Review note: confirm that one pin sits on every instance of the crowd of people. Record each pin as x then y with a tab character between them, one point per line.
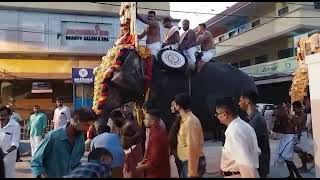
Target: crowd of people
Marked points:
119	147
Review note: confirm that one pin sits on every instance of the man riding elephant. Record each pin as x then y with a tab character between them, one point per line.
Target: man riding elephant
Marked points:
187	43
122	75
205	40
172	37
152	32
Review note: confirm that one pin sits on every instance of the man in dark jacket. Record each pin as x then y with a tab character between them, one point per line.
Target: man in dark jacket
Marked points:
256	120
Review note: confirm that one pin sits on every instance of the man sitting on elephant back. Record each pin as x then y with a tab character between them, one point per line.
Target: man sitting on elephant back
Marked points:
172	36
187	43
204	38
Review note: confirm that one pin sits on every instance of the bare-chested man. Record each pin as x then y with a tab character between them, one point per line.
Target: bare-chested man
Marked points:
152	31
204	38
187	43
131	138
172	37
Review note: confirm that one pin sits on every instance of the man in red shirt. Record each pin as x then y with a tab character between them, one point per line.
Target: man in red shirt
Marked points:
156	160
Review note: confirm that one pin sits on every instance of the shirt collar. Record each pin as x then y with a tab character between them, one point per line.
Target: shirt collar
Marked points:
155	125
250	116
38	113
232	123
61	107
63	130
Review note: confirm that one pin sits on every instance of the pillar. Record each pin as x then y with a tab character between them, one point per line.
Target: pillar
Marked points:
313	62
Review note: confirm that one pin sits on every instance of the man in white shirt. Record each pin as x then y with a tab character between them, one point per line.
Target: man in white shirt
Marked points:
240	154
62	114
16	117
9	141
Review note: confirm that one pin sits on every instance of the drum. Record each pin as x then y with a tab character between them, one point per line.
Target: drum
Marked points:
172	59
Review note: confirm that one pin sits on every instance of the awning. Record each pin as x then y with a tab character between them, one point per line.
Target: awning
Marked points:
40	69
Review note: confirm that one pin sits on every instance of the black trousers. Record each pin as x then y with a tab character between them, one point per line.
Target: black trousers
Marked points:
293	169
18	155
178	163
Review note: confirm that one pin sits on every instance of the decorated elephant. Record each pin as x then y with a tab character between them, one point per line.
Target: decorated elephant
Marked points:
129	72
215	80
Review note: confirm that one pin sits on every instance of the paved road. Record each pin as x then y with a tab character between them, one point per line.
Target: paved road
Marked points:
212	153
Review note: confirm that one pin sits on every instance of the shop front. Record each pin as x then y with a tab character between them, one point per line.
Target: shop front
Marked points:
82	79
40	81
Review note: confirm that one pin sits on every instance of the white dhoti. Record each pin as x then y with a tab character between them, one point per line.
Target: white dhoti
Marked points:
170	33
285	148
34	143
208	55
171	46
191	57
155	48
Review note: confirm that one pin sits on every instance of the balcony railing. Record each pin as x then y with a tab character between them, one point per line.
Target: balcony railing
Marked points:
241	29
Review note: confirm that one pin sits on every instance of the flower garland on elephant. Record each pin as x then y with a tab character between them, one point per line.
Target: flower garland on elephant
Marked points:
111	62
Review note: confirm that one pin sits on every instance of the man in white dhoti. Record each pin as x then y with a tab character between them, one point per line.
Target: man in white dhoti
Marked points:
187	43
172	37
152	31
286	144
205	39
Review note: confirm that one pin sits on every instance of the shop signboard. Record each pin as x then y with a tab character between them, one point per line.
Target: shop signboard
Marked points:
82	76
280	67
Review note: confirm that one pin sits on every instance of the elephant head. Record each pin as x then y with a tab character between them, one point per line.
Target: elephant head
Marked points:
126	84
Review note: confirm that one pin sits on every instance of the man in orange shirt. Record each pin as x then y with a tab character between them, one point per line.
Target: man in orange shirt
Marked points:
190	139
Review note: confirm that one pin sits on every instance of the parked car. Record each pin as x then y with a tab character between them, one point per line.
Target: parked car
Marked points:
262	107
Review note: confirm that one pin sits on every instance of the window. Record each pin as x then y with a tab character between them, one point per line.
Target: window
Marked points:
261	59
245	63
255	23
283	11
235	64
232	33
221	38
241	29
41	87
285	53
65	90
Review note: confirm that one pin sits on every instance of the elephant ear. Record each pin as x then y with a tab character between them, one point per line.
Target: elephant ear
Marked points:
129	77
132	64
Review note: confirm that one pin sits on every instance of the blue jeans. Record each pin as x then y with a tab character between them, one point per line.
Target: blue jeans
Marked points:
201	168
